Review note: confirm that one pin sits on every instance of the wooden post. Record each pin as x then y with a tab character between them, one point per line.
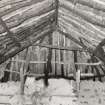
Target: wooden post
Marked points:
11	69
17	66
23	71
22	79
26	65
56	10
55	63
76	73
75	66
48	67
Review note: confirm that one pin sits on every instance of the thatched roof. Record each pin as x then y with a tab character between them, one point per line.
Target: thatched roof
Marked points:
24	22
83	21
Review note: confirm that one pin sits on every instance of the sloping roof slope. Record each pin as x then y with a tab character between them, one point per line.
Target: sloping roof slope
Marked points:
83	19
22	23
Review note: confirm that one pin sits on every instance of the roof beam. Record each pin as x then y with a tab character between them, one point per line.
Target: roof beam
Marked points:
75	40
60	47
9	33
98	52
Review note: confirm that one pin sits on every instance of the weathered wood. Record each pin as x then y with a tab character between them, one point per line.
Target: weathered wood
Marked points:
42	23
18	17
99	51
77	20
72	38
95	52
78	76
86	29
84	39
26	65
48	67
22	79
89	64
75	55
11	69
25	44
83	76
87	15
25	23
60	47
31	23
9	6
76	59
96	4
9	33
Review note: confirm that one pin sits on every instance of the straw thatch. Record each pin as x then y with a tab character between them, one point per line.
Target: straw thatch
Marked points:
83	21
22	23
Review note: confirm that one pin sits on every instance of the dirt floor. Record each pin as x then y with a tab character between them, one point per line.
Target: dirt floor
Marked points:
92	93
59	92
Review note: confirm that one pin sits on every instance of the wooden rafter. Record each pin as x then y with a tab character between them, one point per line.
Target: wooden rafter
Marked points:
75	40
9	33
90	64
98	52
56	10
16	51
61	48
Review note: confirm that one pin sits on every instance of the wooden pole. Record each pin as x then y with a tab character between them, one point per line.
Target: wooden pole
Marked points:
56	11
78	74
11	69
74	73
22	79
48	64
9	33
17	67
26	65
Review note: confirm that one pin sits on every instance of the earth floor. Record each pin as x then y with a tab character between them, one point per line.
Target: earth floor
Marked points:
59	92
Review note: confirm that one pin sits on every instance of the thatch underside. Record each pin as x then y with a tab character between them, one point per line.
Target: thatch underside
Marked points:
80	20
26	21
83	22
